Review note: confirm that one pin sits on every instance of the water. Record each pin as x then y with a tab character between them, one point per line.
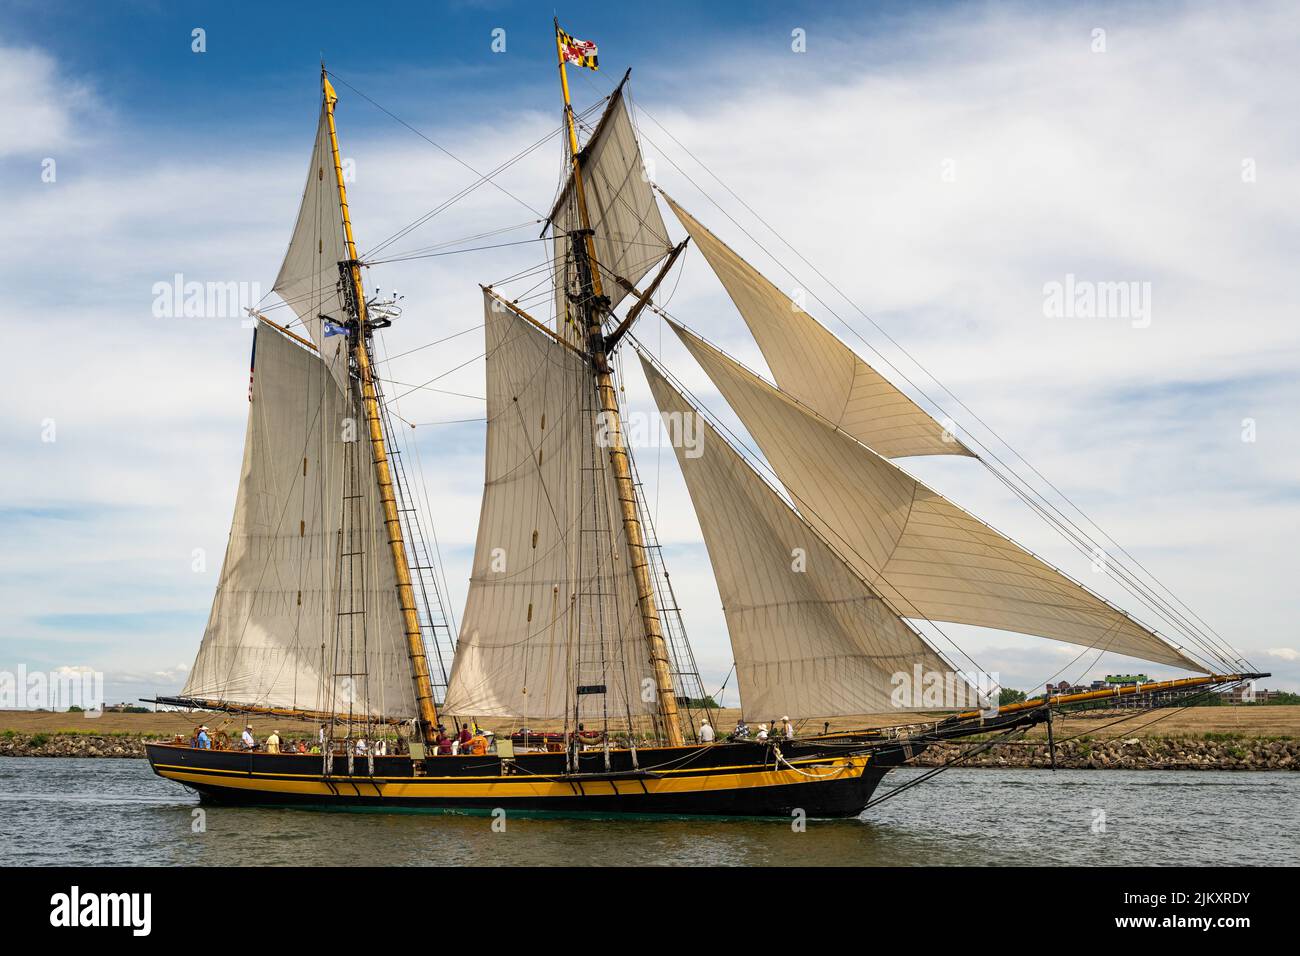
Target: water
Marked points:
114	812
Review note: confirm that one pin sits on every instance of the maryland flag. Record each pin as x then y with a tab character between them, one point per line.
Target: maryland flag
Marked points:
579	52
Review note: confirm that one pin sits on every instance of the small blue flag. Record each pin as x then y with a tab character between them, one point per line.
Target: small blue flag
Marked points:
332	329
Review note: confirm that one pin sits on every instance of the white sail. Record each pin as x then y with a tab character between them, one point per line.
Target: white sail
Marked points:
308	281
273	637
630	235
552	602
810	638
815	367
929	557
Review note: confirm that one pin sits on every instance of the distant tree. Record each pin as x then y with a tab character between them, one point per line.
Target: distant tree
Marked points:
707	703
1009	695
1284	697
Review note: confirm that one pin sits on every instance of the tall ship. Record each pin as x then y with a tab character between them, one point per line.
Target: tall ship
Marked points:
331	606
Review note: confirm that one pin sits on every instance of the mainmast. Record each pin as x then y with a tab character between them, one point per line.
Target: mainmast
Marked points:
592	307
383	475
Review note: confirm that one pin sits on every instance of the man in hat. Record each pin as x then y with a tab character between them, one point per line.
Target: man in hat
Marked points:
273	742
247	738
788	728
762	732
442	742
706	732
204	741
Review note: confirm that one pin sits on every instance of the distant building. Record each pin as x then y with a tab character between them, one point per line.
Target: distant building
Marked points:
1125	679
1243	695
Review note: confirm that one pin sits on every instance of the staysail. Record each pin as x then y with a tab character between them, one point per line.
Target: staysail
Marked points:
308	281
930	558
552	604
274	637
810	637
630	235
815	367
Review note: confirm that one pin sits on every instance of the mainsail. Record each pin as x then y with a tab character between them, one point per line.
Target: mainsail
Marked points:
810	637
929	557
815	367
552	604
308	281
274	636
630	235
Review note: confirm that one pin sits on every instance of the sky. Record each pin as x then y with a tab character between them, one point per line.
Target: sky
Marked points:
945	167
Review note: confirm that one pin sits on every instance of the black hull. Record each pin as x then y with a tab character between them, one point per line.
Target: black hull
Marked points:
741	780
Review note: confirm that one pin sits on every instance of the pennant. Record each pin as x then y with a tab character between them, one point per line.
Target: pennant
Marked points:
578	52
332	329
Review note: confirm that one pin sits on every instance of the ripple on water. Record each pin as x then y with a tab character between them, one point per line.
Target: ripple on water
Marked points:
114	812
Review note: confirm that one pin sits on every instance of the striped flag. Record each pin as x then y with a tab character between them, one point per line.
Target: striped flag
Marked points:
579	52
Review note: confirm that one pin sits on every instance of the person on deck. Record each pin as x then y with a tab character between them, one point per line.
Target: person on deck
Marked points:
273	742
203	741
788	728
464	737
762	732
443	742
742	730
706	732
478	745
361	747
246	738
300	747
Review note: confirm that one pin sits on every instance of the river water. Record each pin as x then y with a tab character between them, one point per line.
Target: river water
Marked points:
112	812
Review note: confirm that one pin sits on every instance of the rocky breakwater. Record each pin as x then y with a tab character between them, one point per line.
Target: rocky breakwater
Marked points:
1215	752
71	745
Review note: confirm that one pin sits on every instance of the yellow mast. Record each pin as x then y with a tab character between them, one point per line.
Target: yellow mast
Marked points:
618	457
405	593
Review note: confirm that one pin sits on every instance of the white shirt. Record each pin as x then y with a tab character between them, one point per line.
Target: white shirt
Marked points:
248	740
789	731
706	734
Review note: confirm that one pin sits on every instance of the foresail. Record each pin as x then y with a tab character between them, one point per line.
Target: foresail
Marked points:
273	637
815	367
630	235
810	638
308	281
930	558
551	605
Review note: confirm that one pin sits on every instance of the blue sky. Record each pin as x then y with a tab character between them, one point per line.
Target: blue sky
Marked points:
940	163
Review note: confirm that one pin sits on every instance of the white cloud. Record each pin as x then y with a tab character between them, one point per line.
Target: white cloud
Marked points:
42	106
1123	165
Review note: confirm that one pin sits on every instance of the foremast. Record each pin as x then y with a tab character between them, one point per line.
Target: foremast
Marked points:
379	453
591	314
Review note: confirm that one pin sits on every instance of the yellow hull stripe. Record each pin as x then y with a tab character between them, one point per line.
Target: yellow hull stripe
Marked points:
391	788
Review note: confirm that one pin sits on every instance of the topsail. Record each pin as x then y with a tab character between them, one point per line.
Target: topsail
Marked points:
630	235
308	280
